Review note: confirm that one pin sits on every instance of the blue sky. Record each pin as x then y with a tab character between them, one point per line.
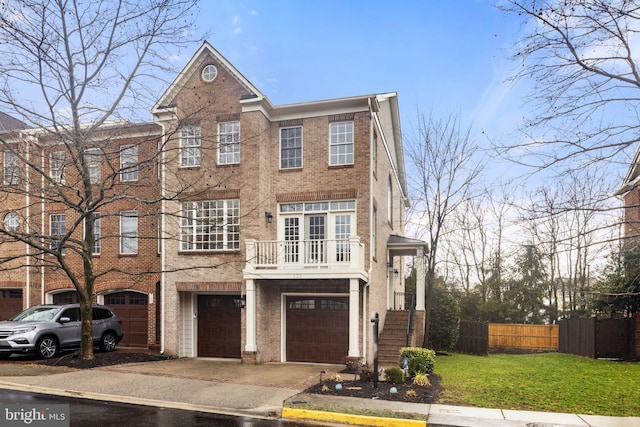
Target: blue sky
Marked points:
440	56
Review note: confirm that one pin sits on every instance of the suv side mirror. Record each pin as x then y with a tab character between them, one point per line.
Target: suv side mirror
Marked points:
64	320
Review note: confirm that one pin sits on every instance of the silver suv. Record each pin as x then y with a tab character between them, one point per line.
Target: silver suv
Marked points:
47	329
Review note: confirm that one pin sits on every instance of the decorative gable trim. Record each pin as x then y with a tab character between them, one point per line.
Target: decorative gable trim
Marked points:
206	53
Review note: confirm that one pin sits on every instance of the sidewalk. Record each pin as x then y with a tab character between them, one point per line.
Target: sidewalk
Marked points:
270	390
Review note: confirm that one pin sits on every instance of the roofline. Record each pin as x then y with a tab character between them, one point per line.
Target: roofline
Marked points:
161	105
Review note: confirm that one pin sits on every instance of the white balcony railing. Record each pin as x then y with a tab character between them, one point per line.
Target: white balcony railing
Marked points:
297	254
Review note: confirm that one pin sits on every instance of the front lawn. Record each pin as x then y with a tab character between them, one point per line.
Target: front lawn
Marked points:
550	382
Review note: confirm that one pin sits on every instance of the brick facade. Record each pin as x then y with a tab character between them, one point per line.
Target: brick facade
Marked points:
182	270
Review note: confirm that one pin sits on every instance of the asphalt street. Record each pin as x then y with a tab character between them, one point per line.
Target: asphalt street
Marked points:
92	413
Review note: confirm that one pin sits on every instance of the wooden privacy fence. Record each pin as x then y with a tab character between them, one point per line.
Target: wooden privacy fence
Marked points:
525	338
473	338
601	338
480	337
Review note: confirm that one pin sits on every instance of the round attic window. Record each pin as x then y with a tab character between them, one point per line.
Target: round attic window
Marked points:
11	221
209	73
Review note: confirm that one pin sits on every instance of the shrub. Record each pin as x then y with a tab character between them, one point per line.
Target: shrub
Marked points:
445	321
336	378
411	394
421	380
394	375
421	360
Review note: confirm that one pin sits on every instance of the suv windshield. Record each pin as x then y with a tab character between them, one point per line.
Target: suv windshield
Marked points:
37	314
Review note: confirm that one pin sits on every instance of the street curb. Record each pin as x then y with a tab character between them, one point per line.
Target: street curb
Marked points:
364	420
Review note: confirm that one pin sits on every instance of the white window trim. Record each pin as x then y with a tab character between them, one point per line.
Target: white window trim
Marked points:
57	173
58	237
128	163
130	214
332	211
228	144
11	171
352	143
94	163
301	148
191	151
189	227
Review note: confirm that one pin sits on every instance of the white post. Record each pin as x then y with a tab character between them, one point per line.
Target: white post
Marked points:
420	280
250	316
354	316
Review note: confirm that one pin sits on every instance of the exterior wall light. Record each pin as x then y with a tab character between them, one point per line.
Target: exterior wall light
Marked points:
269	217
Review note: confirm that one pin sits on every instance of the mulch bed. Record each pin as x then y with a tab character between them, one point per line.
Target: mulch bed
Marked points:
364	389
71	360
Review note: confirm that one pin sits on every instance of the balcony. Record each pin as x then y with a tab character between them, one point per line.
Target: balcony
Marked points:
280	259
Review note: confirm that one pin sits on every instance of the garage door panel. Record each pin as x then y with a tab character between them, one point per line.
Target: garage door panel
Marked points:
317	329
219	326
10	303
132	309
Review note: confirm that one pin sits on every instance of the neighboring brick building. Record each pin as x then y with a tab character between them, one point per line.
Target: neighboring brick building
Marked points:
281	226
129	266
630	194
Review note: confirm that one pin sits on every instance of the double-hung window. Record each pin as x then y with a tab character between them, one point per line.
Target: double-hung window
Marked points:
96	234
210	225
11	168
129	163
56	166
190	143
128	232
228	142
93	160
341	143
291	147
57	230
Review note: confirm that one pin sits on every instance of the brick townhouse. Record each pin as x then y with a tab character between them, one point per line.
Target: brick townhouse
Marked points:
129	263
280	227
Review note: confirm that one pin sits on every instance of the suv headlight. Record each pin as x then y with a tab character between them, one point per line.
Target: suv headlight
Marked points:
23	330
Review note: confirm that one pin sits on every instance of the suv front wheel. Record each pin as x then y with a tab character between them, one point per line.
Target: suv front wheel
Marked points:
108	342
47	347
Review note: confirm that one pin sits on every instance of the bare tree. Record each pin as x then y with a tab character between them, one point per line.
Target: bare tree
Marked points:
446	165
69	69
582	57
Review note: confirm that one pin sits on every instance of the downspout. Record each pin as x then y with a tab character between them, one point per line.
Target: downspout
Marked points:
43	232
28	249
365	288
162	239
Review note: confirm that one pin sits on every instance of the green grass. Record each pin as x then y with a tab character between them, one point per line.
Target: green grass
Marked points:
550	382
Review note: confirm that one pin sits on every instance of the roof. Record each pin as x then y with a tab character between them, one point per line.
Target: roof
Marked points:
206	50
401	245
8	123
632	177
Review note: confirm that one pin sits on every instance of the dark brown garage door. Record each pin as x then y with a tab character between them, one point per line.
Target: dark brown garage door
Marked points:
219	326
132	309
317	329
10	303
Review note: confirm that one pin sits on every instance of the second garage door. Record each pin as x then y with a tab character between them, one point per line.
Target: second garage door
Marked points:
10	303
317	329
132	309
